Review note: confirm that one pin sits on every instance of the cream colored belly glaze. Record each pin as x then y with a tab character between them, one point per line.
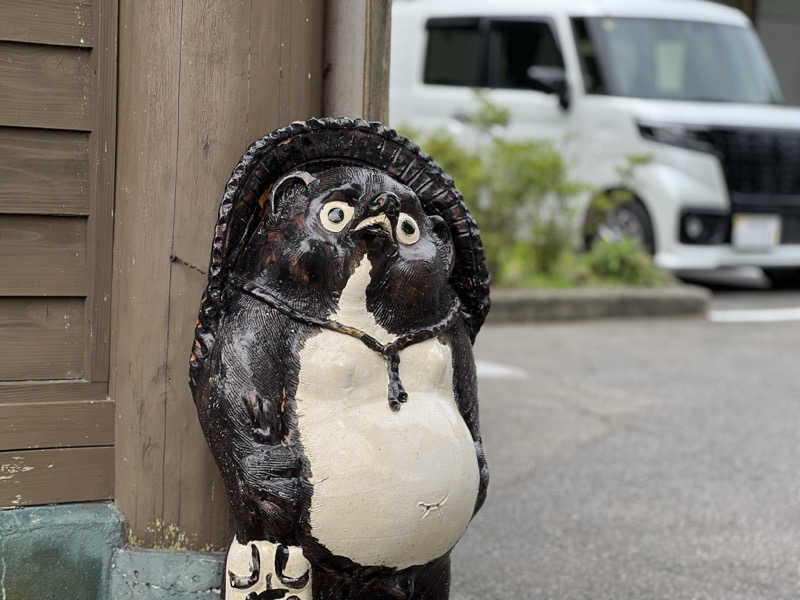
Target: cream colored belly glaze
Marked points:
390	488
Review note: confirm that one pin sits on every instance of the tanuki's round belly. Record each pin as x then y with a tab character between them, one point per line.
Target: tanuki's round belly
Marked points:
390	488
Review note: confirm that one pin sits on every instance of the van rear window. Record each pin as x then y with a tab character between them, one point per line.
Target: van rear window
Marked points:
454	54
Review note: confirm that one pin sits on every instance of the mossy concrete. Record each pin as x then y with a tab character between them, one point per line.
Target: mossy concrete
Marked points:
57	552
75	552
138	574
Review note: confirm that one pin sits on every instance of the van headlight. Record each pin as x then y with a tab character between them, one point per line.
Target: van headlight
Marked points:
684	136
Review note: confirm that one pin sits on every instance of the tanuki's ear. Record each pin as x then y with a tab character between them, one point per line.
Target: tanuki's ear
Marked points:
285	184
442	230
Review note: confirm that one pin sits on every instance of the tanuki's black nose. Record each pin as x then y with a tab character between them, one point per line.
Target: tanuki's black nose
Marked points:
385	202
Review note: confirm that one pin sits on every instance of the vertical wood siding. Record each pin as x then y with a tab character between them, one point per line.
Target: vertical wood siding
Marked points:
198	81
57	113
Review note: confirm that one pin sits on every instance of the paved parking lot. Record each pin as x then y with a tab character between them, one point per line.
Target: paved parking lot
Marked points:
640	459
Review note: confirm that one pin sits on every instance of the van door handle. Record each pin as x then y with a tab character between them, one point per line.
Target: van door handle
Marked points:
460	116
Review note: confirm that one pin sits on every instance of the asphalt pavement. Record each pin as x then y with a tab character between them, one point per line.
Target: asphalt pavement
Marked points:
641	459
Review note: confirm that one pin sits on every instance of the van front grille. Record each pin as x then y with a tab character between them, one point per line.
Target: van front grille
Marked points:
760	162
762	171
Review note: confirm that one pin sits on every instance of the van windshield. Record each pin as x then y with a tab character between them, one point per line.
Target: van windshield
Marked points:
674	60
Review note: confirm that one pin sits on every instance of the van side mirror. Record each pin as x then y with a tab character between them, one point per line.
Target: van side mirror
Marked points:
550	80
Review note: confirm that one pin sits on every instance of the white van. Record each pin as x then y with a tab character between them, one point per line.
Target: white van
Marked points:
685	82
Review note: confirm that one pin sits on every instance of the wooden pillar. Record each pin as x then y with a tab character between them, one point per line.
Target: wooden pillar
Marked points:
357	36
198	81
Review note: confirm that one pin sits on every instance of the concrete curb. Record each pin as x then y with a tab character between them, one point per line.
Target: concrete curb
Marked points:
573	304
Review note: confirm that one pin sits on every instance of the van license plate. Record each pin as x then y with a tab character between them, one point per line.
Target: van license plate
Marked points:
756	232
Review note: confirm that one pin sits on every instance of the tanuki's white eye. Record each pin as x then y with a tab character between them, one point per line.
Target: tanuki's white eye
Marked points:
335	215
407	230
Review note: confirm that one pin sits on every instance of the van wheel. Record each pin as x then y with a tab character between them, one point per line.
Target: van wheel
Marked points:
629	219
784	279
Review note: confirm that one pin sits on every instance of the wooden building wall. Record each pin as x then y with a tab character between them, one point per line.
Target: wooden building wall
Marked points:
57	101
86	414
198	81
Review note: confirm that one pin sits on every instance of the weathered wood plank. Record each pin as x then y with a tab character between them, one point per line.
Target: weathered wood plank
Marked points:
147	135
15	392
357	55
101	199
263	113
43	256
244	70
56	424
302	45
345	45
44	171
65	22
60	475
45	86
193	472
43	338
229	106
215	87
215	97
376	60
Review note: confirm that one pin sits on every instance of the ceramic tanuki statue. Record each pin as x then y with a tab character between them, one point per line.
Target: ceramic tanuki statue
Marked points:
332	365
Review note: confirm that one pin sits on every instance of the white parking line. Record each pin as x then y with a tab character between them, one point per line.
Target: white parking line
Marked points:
759	315
498	371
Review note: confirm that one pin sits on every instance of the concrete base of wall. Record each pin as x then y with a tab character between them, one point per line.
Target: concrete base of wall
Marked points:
598	303
138	574
74	552
58	552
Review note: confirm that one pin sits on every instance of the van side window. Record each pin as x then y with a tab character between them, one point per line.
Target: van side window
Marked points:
515	46
587	55
454	54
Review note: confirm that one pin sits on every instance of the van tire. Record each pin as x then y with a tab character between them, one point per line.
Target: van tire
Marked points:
625	219
783	278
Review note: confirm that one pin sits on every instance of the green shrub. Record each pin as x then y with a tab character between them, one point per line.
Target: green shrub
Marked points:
623	261
518	191
521	194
